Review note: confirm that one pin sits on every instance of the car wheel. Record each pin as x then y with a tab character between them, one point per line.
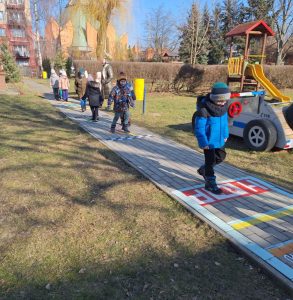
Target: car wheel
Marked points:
260	135
289	116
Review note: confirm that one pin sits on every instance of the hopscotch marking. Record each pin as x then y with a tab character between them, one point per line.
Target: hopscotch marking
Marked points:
262	217
128	138
232	189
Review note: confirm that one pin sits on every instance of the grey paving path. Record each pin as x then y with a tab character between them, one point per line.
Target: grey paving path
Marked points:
254	215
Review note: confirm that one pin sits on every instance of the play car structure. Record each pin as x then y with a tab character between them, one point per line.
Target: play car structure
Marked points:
262	124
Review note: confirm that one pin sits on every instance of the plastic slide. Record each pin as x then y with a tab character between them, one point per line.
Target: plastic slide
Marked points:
256	71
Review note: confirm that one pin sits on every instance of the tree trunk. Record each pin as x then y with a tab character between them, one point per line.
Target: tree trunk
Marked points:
40	60
279	58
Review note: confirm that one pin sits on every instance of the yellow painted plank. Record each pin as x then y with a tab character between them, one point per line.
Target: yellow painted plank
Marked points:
262	218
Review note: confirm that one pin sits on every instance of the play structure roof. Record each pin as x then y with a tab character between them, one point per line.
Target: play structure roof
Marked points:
246	28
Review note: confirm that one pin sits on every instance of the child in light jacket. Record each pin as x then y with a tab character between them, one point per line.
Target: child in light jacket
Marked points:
212	132
64	85
54	83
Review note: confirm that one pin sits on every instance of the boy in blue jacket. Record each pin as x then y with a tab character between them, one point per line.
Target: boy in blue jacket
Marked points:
212	132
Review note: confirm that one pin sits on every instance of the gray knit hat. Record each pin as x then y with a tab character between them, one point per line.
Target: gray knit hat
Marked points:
220	92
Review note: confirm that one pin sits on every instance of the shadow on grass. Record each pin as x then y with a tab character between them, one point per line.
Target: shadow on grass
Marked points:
180	273
152	275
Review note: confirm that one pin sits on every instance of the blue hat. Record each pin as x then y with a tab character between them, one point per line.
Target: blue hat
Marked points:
220	92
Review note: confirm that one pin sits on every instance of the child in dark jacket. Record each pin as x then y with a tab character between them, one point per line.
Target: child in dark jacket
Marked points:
212	132
94	95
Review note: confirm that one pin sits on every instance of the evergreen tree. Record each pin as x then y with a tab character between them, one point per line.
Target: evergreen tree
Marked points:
68	65
217	42
47	66
194	36
12	73
206	20
259	10
232	14
59	60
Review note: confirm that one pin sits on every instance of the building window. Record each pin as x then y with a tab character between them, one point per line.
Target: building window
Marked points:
2	31
21	51
15	1
1	16
18	33
16	16
22	62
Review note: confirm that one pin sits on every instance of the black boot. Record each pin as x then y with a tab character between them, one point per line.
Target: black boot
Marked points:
113	129
201	171
211	185
125	128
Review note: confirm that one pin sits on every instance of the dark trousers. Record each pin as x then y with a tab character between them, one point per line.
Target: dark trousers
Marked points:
125	115
95	112
56	93
213	157
65	95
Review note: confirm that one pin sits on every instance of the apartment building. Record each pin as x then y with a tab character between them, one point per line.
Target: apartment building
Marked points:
16	31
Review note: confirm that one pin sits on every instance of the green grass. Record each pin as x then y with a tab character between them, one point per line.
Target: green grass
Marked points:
170	115
77	219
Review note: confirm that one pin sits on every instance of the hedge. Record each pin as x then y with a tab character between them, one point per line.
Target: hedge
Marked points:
165	77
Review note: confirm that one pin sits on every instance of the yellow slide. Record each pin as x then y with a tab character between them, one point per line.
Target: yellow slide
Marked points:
256	71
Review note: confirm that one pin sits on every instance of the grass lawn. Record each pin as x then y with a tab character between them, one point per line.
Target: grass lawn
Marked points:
76	222
170	115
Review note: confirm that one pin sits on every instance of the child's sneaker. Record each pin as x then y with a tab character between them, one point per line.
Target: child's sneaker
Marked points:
113	129
201	172
212	186
126	130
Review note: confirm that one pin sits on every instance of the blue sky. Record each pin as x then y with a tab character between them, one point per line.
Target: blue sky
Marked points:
140	8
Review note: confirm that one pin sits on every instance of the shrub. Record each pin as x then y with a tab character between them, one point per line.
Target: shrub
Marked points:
12	73
59	61
163	77
68	66
47	66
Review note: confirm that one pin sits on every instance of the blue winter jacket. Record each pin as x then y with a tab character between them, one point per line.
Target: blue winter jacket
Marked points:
211	130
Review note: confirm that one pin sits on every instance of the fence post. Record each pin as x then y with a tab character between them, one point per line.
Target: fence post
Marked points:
144	101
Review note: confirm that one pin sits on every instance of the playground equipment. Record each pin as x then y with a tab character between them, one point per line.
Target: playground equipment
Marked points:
241	69
262	124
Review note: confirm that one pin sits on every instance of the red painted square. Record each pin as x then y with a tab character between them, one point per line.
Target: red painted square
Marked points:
231	191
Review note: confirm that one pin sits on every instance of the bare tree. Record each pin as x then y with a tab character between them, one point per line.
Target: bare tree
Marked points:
42	12
283	20
160	31
37	29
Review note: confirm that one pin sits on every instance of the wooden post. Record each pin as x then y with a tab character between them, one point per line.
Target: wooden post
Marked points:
230	55
245	58
263	48
231	47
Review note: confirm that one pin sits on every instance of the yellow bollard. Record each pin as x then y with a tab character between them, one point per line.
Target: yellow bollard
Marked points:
44	75
139	89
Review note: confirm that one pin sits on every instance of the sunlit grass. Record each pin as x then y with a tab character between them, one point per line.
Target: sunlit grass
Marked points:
76	222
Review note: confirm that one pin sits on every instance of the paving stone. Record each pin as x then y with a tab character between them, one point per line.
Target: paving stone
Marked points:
259	240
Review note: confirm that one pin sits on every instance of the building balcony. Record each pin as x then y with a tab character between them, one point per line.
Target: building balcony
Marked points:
14	6
16	23
18	40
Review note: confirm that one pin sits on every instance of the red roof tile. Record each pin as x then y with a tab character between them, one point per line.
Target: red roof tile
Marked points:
243	29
